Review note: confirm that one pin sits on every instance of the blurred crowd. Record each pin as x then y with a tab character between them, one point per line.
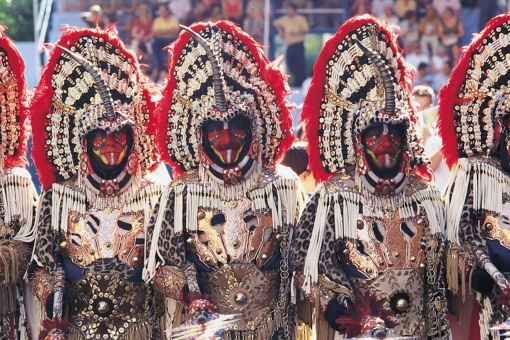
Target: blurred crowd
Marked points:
148	26
430	31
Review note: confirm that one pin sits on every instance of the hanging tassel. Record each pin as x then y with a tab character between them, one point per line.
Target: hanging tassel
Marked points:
311	274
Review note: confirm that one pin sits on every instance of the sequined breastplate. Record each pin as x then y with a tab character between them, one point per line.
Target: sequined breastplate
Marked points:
236	243
103	234
403	290
497	227
234	235
383	244
108	307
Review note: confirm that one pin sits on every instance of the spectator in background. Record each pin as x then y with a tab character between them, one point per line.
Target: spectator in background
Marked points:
253	24
423	97
293	27
442	75
429	40
359	7
253	6
409	32
415	56
424	75
141	28
181	9
421	7
441	5
437	61
378	7
165	30
199	11
145	59
93	17
296	158
232	10
389	16
403	6
215	13
450	31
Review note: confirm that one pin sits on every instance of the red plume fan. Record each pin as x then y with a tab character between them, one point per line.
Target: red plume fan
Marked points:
352	322
474	96
54	329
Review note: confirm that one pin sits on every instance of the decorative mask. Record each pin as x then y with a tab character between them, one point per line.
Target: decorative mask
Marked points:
109	150
227	142
384	145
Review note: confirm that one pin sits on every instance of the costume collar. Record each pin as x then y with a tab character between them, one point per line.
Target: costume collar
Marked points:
103	192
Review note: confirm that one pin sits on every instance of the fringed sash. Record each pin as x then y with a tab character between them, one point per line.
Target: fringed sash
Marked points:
490	184
282	195
19	198
67	199
346	204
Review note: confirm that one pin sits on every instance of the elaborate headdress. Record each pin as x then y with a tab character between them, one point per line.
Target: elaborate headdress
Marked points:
360	79
215	74
90	81
472	106
476	97
13	106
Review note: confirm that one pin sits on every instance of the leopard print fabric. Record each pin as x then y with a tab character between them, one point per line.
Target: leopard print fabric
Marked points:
49	259
434	313
301	242
475	248
171	247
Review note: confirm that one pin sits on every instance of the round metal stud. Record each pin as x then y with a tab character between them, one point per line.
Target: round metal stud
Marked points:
103	307
360	224
240	298
402	305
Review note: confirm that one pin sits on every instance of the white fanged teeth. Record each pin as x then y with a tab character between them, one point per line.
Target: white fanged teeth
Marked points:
387	160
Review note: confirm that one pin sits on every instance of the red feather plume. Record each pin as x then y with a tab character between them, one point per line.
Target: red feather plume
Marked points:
18	68
312	103
269	72
449	94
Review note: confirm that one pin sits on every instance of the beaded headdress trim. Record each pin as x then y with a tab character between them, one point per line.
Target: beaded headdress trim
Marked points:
359	69
252	86
13	105
476	96
90	81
